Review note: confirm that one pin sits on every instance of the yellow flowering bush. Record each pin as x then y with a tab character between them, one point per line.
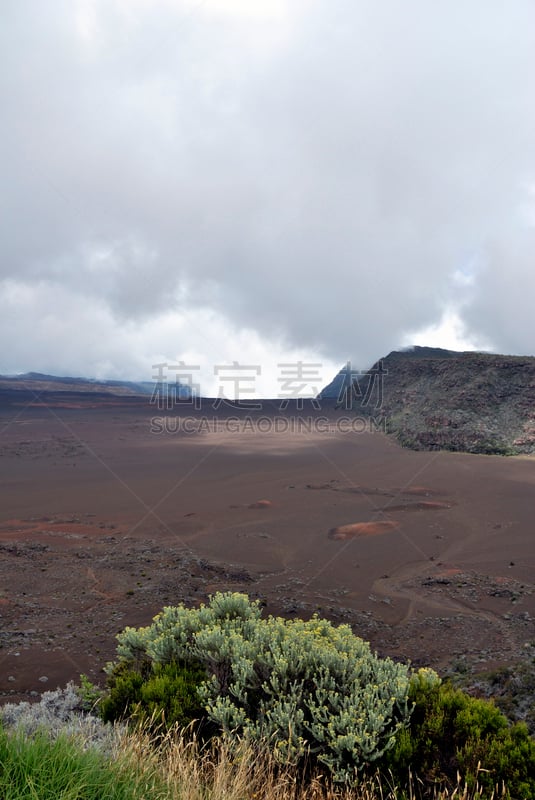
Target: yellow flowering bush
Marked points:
307	689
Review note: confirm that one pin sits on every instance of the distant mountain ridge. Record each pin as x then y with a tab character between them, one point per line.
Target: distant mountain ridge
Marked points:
428	398
435	399
20	387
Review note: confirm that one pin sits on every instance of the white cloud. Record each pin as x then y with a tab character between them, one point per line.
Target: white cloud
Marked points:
450	333
65	333
316	178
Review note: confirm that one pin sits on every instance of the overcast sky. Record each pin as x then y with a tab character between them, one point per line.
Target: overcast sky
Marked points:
263	181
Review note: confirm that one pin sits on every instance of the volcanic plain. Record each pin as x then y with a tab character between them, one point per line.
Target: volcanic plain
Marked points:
112	510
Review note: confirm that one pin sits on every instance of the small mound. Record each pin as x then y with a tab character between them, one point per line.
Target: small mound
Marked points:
260	504
343	532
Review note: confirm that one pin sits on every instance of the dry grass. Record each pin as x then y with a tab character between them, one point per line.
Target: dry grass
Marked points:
173	766
215	772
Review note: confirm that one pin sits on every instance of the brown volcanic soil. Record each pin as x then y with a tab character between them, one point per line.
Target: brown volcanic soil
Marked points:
103	522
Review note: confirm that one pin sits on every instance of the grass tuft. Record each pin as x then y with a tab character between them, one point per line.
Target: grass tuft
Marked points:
173	766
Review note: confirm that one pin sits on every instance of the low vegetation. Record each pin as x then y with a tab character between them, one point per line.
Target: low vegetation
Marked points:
222	703
308	691
511	687
46	768
172	767
451	733
165	694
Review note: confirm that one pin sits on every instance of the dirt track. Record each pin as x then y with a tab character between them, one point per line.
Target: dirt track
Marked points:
103	522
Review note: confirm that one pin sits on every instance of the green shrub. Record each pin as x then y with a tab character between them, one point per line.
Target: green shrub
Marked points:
90	694
308	690
166	694
452	733
512	688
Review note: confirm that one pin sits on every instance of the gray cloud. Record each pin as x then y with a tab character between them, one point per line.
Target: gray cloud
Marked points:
318	177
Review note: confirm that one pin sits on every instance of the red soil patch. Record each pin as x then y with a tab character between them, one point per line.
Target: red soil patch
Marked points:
343	532
49	530
449	572
261	504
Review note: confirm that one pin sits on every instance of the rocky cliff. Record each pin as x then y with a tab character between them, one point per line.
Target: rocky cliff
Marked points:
439	399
